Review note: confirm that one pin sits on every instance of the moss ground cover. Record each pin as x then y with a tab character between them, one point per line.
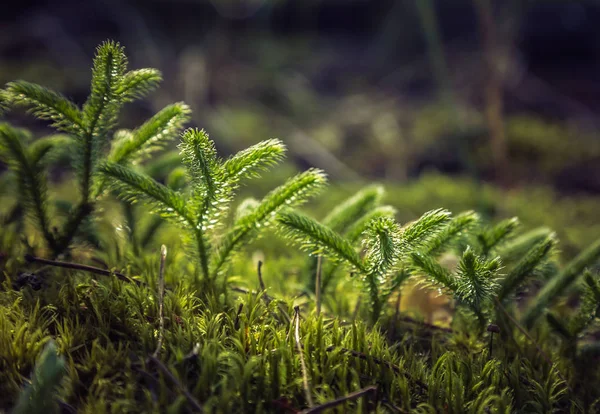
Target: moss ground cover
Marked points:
156	288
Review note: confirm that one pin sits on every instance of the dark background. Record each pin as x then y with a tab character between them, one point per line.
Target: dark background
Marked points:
297	62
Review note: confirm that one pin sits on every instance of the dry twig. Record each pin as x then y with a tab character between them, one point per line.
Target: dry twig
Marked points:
301	353
372	389
77	266
161	299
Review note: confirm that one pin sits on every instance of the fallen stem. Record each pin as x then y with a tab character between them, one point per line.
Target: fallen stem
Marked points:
333	403
162	367
76	266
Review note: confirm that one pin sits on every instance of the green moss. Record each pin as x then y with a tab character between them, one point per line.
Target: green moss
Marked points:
252	340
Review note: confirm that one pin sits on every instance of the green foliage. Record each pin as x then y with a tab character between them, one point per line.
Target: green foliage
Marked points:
354	208
318	239
25	164
89	130
457	227
350	218
151	136
386	246
48	372
532	259
231	354
495	235
201	211
561	281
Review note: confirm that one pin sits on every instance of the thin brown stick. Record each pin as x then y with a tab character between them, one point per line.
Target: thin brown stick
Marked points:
260	279
77	266
161	299
261	282
318	284
165	370
246	291
426	325
301	353
372	389
236	323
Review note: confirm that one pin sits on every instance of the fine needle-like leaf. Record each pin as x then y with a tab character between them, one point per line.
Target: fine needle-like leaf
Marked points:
526	266
560	282
151	136
293	193
31	178
46	104
352	209
133	187
138	83
318	239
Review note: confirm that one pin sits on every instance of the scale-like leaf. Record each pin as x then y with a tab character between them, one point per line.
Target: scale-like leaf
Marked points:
352	209
526	266
425	228
250	162
100	111
496	235
139	144
382	241
476	279
31	178
48	148
47	105
561	281
317	239
456	227
133	187
293	193
136	84
435	273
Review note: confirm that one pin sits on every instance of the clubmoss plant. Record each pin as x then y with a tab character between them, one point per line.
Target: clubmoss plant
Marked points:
191	347
202	210
350	219
87	130
384	243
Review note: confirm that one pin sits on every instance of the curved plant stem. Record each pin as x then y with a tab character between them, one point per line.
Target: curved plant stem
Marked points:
371	389
301	353
161	299
85	268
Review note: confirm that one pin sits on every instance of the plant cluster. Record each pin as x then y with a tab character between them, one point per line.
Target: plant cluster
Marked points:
262	354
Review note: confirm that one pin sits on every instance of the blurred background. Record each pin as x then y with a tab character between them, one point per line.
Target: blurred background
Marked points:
482	104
